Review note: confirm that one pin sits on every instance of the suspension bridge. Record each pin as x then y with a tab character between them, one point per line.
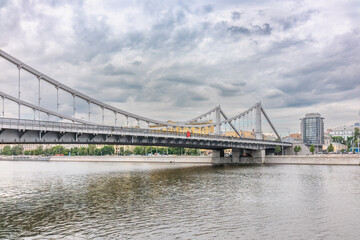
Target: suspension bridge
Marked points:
35	122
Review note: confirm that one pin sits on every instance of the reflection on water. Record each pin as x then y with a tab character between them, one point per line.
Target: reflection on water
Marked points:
40	200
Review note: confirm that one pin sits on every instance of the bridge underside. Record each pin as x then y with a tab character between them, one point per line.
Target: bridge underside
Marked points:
14	136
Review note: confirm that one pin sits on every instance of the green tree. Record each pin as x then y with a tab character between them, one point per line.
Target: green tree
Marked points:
277	149
193	152
128	152
108	150
161	150
312	149
59	149
122	150
297	149
47	151
98	152
139	150
348	143
6	150
38	151
91	149
147	150
330	148
17	150
76	151
338	139
356	133
83	151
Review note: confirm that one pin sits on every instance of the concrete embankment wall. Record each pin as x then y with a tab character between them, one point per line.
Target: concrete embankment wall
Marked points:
155	159
314	159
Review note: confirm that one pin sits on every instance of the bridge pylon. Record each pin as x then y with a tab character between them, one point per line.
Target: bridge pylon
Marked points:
217	120
258	131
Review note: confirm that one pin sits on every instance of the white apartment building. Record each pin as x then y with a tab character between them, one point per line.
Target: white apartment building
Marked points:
344	131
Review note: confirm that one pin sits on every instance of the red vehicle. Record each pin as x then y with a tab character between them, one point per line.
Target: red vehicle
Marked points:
187	134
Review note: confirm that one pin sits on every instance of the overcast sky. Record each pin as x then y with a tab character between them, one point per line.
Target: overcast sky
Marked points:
177	59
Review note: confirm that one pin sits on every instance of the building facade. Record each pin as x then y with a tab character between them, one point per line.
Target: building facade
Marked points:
344	131
293	138
194	127
312	129
337	147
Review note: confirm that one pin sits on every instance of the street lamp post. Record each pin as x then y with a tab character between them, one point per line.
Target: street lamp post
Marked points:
288	132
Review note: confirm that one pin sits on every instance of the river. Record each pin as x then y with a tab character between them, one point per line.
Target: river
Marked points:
104	200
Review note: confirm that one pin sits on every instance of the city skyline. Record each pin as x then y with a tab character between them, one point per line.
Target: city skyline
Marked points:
173	61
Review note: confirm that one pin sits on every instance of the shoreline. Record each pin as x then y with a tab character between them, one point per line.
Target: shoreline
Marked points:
141	159
353	160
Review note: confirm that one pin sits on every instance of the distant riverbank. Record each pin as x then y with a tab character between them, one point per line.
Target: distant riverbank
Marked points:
154	159
328	159
289	159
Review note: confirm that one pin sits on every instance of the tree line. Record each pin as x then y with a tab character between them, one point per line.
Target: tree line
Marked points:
146	150
59	150
93	151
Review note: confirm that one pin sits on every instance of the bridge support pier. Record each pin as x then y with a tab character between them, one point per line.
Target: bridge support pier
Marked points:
236	153
218	158
259	156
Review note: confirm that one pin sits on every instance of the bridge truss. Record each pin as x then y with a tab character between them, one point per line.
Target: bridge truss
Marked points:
215	121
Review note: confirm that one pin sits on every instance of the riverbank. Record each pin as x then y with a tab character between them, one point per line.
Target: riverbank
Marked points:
288	159
327	159
153	159
148	159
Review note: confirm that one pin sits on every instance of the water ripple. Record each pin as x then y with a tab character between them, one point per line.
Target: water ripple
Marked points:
174	201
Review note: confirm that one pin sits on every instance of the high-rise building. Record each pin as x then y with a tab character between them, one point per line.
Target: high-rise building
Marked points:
312	129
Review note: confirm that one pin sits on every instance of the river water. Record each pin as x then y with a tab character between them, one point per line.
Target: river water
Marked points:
69	200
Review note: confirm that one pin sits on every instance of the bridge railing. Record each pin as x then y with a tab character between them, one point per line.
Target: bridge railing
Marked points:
24	124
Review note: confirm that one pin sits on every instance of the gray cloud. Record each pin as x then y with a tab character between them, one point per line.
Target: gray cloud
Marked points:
183	57
205	9
239	30
136	63
226	89
111	70
180	80
3	3
187	98
264	30
235	15
297	19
